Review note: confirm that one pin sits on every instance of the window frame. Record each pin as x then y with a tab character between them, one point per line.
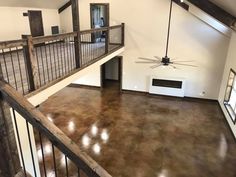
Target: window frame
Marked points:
231	111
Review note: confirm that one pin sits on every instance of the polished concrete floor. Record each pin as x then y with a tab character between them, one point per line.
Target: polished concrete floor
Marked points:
144	136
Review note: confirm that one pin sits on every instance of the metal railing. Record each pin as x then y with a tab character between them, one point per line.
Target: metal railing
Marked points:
76	162
31	63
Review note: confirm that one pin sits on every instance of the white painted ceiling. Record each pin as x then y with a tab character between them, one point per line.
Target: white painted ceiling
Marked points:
228	5
49	4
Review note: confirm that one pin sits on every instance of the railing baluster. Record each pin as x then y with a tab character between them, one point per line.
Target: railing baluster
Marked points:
5	63
13	69
46	60
78	172
31	148
41	54
21	79
41	145
67	172
19	142
54	160
54	58
50	59
39	72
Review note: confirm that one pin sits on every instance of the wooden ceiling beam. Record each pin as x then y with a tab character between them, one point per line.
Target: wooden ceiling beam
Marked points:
215	11
64	7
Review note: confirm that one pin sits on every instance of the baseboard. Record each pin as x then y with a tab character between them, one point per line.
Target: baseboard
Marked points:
85	86
169	97
134	92
226	121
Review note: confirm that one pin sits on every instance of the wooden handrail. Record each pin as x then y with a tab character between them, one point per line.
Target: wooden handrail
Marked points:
13	43
53	133
99	29
42	39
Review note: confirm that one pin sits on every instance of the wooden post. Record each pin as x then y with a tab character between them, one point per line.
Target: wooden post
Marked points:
123	34
31	63
76	28
9	161
107	40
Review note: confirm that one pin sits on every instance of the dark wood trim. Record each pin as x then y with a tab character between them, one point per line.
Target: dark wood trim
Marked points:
76	28
215	11
120	71
107	15
31	64
25	14
234	121
64	7
85	86
226	121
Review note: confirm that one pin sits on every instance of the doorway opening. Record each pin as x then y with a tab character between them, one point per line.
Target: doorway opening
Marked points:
99	18
111	74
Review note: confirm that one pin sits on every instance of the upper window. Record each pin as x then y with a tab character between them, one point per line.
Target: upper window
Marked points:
230	95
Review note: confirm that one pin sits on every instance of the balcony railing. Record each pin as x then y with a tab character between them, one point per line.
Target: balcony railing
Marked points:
62	148
31	63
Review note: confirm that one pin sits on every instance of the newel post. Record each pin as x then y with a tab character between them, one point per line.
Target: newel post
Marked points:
31	63
76	28
9	161
123	34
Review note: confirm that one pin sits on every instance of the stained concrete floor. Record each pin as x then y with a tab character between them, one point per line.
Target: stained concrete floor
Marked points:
142	136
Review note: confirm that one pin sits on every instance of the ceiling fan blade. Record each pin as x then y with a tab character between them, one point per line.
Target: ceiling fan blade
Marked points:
148	59
173	66
183	60
155	66
151	62
184	64
159	58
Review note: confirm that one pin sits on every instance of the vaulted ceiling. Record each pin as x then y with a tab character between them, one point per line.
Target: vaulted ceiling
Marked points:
49	4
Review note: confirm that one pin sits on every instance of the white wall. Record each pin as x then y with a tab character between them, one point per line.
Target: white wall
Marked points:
92	78
191	39
230	63
14	24
66	20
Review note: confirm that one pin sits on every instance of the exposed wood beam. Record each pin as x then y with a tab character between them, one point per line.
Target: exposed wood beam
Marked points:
76	28
65	6
215	11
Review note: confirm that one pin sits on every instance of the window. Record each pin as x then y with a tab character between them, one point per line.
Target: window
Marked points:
230	95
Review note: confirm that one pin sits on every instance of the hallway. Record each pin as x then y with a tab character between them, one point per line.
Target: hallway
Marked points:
145	136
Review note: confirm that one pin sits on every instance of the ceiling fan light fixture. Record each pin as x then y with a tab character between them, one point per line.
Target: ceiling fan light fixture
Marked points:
165	61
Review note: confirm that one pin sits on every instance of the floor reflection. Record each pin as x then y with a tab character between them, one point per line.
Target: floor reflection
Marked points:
144	136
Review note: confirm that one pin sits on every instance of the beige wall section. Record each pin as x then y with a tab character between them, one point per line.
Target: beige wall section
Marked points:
14	24
230	63
66	20
191	39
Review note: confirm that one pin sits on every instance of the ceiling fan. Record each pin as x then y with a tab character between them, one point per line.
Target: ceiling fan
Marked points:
165	61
